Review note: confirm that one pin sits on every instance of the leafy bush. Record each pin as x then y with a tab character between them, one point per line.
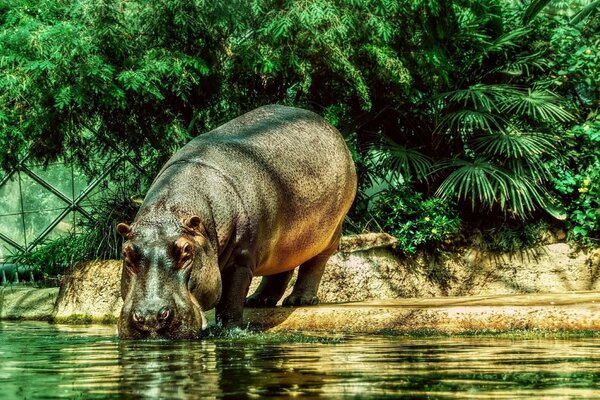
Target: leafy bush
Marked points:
579	180
53	256
417	222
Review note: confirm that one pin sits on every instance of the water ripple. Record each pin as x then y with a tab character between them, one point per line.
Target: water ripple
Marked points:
43	361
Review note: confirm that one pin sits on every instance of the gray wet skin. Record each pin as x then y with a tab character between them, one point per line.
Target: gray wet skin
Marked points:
258	196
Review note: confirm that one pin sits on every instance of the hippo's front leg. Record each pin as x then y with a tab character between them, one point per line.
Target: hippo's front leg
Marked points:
236	282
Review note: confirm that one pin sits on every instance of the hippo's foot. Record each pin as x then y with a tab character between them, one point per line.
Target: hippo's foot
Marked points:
300	300
255	301
270	290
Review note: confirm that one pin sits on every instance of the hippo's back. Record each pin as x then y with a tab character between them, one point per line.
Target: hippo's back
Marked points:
291	171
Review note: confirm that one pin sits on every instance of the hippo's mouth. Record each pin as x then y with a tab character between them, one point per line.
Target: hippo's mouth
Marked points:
186	328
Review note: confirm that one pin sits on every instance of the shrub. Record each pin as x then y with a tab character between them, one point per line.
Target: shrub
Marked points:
577	181
417	222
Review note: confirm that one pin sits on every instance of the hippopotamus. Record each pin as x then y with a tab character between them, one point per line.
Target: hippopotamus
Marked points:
258	196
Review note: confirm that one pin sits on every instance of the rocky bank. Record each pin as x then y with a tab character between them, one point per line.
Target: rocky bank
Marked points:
367	287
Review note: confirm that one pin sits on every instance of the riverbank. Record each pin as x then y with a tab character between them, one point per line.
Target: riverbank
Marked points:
557	312
368	288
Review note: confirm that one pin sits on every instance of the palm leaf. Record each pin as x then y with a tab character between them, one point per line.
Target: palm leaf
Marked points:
520	197
508	39
480	96
479	180
522	66
532	167
470	121
534	9
584	12
542	105
398	159
514	143
487	184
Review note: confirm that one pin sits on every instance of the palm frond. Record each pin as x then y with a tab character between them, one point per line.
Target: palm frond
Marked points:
585	12
521	195
514	143
532	167
483	182
469	121
539	104
534	9
481	97
398	159
524	65
507	40
479	180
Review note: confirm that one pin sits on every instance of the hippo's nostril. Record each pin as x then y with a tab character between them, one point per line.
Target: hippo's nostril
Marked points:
137	317
164	314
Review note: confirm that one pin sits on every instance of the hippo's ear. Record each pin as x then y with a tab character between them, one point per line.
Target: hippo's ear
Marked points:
194	226
124	230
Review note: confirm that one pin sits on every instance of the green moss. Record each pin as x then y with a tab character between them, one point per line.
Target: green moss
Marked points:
83	319
254	336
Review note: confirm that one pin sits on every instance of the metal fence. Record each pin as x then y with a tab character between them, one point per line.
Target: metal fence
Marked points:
42	202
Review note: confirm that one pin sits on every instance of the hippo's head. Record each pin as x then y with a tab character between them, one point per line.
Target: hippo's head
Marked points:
170	277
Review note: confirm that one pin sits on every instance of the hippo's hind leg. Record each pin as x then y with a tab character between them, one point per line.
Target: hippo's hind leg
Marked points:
309	276
270	290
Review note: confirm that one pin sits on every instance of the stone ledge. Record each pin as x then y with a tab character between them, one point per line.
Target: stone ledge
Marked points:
27	303
578	311
561	312
368	288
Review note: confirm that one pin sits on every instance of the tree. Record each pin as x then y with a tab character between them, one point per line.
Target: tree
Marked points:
460	91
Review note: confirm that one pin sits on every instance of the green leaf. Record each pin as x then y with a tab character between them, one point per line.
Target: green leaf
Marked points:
534	9
585	12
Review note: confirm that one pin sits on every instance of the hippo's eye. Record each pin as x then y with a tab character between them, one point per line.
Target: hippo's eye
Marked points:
131	267
131	258
184	252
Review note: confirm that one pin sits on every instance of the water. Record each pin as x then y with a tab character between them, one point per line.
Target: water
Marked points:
42	361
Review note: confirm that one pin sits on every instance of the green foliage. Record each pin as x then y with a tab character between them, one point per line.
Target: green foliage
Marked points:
578	9
457	99
53	256
578	183
112	68
418	223
576	61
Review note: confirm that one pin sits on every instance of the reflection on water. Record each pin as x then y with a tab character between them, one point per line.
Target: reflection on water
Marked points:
39	360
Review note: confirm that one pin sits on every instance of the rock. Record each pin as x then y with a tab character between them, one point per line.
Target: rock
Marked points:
27	303
361	271
366	241
91	291
367	269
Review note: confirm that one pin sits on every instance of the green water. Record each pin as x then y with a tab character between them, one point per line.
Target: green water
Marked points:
42	361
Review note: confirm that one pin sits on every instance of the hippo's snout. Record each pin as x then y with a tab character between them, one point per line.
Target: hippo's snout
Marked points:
161	320
148	319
